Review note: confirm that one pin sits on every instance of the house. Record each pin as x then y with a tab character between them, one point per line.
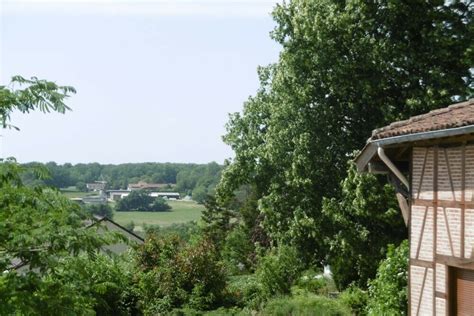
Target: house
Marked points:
166	195
96	186
115	195
430	159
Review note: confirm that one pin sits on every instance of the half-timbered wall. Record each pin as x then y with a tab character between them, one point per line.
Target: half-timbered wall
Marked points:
441	222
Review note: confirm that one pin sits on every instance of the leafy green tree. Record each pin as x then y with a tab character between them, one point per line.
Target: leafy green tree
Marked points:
160	205
365	219
216	221
35	94
174	274
102	210
81	186
388	293
140	200
39	227
106	282
345	68
278	270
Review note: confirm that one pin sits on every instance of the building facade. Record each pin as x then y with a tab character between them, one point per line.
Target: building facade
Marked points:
430	158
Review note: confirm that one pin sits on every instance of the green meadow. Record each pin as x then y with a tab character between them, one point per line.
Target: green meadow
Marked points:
181	212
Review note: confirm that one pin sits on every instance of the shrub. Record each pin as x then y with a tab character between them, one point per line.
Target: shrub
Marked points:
305	305
175	274
244	291
238	251
140	200
315	282
356	299
102	210
278	270
107	283
388	291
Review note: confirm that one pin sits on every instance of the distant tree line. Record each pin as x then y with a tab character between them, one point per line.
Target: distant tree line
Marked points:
198	180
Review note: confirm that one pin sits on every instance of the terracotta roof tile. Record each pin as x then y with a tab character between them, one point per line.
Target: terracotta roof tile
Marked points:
456	115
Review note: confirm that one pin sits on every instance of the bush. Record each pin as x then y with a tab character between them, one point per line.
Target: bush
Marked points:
305	305
278	270
356	299
140	200
102	210
184	231
315	282
107	283
388	291
244	291
175	274
159	205
238	252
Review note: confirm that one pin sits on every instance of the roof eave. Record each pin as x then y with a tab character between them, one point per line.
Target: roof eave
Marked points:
370	149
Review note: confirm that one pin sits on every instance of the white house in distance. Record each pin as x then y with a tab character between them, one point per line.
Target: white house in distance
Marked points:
96	186
166	195
115	195
431	157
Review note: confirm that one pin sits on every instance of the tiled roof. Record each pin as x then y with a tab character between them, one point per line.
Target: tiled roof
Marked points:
456	115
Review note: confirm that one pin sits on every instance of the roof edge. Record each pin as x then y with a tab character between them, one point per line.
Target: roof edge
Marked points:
370	148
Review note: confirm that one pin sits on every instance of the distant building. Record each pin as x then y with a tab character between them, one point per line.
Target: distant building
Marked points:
166	195
95	199
148	186
115	195
96	186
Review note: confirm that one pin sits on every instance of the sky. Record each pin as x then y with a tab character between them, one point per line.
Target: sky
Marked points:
155	79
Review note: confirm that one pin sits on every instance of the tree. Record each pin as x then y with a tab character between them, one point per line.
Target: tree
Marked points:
39	227
346	67
140	200
102	210
388	294
37	94
365	219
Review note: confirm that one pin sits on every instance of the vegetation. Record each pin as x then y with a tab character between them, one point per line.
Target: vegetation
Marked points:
388	291
40	228
194	180
339	61
140	200
181	212
286	204
177	274
101	210
367	213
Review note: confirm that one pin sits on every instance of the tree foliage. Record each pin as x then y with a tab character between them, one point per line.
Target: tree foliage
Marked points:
39	228
176	274
101	210
345	68
181	177
388	291
140	200
364	220
34	94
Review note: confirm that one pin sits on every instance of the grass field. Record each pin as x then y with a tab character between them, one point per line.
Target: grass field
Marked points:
181	212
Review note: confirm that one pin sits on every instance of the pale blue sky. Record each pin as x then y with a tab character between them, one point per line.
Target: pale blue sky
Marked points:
155	79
